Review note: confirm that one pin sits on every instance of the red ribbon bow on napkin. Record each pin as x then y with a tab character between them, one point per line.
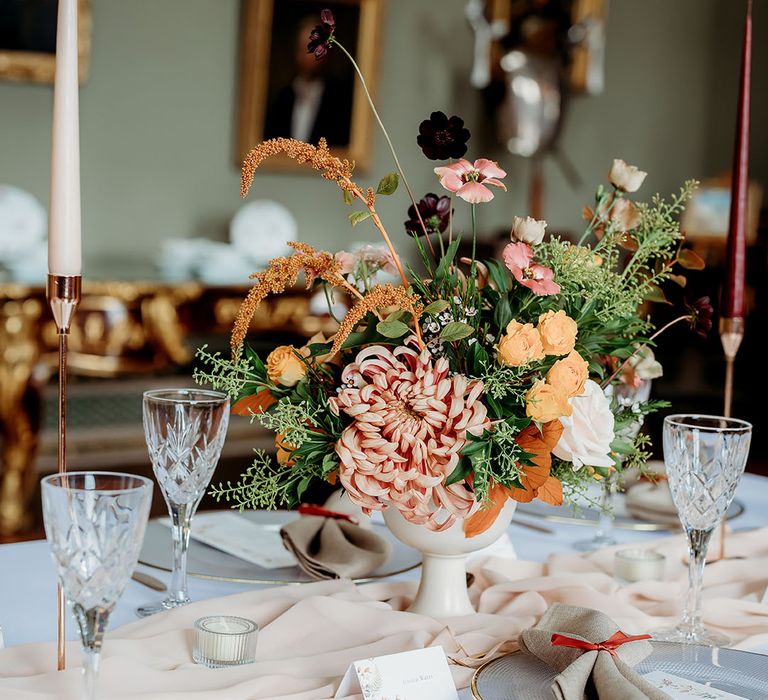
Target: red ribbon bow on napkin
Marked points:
310	509
610	645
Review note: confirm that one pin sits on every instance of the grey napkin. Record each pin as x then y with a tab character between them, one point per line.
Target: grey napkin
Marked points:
331	548
593	674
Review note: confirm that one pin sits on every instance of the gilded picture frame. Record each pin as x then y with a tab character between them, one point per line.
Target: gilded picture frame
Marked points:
273	65
34	66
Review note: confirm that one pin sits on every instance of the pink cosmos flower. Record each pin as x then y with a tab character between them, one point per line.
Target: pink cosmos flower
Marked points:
518	258
410	420
469	180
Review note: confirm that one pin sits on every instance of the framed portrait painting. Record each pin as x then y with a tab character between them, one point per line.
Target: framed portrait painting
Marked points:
28	39
286	92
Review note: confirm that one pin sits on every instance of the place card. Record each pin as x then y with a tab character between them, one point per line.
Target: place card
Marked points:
236	535
682	689
411	675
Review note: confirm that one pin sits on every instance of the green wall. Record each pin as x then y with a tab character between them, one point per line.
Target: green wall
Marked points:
157	119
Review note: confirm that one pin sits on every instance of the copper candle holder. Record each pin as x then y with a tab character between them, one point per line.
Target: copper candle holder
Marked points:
731	335
63	292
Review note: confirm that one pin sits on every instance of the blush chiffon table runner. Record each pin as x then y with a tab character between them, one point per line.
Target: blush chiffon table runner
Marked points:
311	633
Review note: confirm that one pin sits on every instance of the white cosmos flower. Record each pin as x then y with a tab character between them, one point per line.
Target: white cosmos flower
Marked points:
528	230
626	177
588	431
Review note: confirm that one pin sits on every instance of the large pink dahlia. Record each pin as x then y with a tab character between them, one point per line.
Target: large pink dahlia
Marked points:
410	421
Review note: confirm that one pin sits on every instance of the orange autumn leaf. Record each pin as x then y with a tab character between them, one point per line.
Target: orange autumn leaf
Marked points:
256	403
538	443
535	480
551	492
534	476
523	495
481	520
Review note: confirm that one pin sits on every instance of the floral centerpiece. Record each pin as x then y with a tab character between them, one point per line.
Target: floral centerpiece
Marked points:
468	383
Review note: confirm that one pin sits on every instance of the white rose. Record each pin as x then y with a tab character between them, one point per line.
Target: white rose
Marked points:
626	177
588	431
528	230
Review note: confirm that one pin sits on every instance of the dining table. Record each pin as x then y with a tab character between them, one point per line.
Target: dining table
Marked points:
509	593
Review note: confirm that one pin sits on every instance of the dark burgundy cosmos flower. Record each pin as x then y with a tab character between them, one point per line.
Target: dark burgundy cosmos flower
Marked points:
434	212
319	37
441	138
700	316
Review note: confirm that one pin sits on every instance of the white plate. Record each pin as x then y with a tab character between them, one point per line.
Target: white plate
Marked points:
209	563
262	230
23	222
519	676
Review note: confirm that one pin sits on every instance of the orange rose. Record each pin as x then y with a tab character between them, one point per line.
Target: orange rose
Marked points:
569	374
284	367
558	332
520	345
544	402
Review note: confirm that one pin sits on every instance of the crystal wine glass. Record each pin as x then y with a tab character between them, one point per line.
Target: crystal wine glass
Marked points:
627	397
705	457
94	523
185	431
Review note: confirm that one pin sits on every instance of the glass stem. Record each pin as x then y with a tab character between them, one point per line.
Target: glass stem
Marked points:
605	520
698	543
91	670
92	624
180	517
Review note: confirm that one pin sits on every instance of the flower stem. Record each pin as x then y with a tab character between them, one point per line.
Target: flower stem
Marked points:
329	301
637	350
595	217
389	141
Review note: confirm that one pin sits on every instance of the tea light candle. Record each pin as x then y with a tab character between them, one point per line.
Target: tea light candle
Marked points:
224	640
633	565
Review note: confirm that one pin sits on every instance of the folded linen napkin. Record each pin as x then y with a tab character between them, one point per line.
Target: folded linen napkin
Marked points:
652	501
590	654
332	548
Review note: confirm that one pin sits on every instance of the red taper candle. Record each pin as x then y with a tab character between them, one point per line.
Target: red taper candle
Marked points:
733	289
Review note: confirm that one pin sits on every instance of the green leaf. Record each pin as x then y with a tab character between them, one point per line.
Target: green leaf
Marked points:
690	260
256	362
316	349
502	314
357	216
348	197
657	295
392	329
460	472
437	307
395	315
447	260
456	330
499	274
477	359
388	184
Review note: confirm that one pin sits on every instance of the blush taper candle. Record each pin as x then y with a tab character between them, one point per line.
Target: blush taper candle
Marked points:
736	263
64	256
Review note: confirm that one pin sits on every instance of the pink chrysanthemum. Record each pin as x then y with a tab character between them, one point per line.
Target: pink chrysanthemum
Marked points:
410	421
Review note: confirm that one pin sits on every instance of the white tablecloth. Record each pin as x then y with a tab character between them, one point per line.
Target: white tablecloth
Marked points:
28	584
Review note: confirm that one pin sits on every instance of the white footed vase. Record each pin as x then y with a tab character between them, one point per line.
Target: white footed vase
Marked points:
443	587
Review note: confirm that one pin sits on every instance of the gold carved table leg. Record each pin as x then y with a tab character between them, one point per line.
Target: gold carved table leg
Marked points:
19	412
